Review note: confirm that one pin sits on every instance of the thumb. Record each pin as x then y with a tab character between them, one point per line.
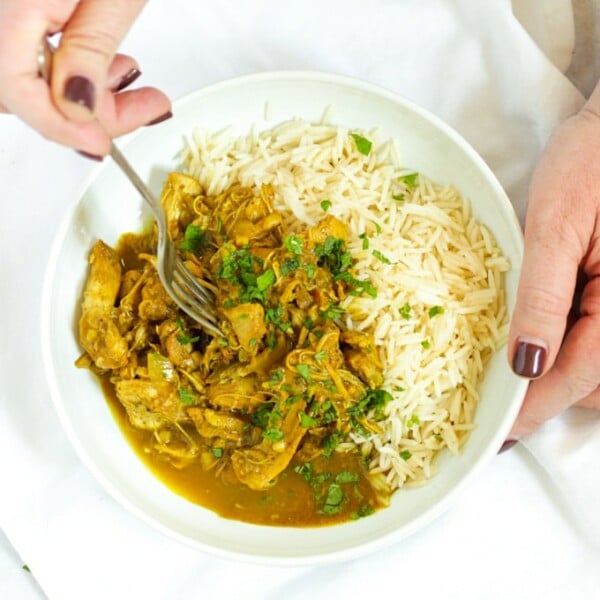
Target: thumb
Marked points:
87	47
546	287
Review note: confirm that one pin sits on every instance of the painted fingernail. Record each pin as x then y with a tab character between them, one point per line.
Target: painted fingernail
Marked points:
160	119
80	90
529	359
90	156
127	79
508	444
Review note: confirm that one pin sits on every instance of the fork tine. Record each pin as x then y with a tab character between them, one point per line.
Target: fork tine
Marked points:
195	310
204	293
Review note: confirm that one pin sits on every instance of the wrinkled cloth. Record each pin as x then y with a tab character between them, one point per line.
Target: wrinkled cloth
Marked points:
527	527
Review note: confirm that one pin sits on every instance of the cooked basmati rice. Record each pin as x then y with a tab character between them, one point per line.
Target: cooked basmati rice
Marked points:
425	250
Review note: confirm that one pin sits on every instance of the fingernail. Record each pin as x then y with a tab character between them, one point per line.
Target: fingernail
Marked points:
160	119
80	90
127	79
529	359
90	156
508	444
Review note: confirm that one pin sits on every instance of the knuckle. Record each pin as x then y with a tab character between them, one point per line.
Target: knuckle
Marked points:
540	303
577	385
97	43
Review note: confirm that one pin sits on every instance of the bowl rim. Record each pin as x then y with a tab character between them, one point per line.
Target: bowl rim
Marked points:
352	551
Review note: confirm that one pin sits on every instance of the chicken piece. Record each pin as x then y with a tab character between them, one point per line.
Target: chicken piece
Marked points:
178	352
179	192
362	357
328	226
159	397
234	392
214	424
156	305
248	323
366	366
98	326
258	466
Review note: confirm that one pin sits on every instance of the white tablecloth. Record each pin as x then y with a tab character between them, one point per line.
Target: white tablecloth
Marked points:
527	527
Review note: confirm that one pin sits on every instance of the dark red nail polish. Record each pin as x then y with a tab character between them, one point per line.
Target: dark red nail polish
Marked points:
160	119
127	79
80	90
90	156
508	444
529	360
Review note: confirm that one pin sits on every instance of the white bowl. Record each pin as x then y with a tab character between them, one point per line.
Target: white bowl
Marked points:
108	206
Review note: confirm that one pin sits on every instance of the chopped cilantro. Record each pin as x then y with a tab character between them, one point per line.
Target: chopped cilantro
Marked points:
346	477
426	344
266	280
331	441
217	452
290	265
379	256
326	205
333	501
414	420
405	454
398	197
332	255
364	511
377	227
275	316
363	145
276	377
294	244
304	371
333	312
405	311
320	356
365	241
273	434
194	239
183	337
374	399
409	180
186	396
435	310
306	420
310	270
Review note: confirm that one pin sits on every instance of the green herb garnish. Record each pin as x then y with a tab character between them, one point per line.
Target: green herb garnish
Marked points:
294	244
405	311
379	256
435	310
194	239
326	205
186	396
363	145
409	180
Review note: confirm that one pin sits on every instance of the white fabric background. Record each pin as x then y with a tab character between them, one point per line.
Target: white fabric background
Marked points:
526	528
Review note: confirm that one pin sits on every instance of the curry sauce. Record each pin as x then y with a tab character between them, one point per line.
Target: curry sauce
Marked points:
261	423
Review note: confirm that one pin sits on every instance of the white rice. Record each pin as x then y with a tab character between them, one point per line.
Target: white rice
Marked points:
438	254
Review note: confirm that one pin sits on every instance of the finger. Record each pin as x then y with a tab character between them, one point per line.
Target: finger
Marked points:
591	401
123	71
553	251
575	376
129	110
86	50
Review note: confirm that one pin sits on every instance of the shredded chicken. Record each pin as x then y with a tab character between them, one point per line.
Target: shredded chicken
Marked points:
285	379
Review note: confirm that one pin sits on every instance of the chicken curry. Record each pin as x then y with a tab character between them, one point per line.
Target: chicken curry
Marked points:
258	424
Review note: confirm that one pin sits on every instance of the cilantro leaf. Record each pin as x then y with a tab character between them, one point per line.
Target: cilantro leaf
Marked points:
363	145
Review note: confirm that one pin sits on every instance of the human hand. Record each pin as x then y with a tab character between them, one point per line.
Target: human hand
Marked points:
87	75
555	340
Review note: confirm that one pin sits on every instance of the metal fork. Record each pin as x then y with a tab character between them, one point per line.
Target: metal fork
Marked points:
188	293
